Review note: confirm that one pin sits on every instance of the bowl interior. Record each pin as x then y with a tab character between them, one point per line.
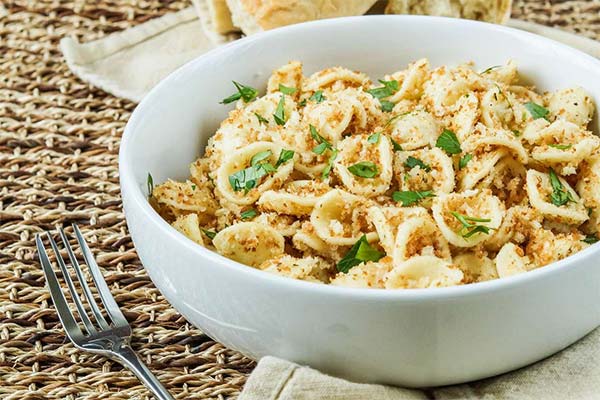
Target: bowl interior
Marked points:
171	126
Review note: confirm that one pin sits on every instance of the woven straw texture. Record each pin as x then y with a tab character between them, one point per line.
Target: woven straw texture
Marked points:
59	140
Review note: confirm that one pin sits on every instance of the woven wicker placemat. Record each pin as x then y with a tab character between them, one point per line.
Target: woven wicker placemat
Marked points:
59	140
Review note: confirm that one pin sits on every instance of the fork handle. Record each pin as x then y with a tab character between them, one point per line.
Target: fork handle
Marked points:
129	359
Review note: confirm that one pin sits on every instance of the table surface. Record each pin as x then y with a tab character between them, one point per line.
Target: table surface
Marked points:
59	141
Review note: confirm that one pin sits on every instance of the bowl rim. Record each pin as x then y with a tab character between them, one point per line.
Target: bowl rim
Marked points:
138	199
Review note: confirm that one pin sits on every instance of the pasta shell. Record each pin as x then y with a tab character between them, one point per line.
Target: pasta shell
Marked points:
249	243
517	226
497	108
414	130
241	160
355	149
387	220
312	269
484	139
506	181
366	275
573	104
447	85
474	204
295	198
423	272
479	167
539	190
437	175
511	260
289	75
189	225
178	198
506	74
339	218
307	240
465	114
588	186
475	267
336	78
419	236
286	225
411	86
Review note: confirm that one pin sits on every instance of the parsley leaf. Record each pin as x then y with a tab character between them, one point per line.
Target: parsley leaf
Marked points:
211	235
396	145
464	160
374	138
536	110
248	214
193	187
261	156
590	239
323	144
448	142
150	184
388	89
469	229
246	93
560	196
302	103
412	162
561	146
327	169
386	106
284	157
279	115
364	169
287	90
409	197
317	96
320	148
261	119
490	69
360	252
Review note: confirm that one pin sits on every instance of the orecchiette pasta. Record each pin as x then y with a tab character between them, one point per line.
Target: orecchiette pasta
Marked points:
430	177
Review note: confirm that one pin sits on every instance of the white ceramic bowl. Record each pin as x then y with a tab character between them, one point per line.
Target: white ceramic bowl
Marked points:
420	337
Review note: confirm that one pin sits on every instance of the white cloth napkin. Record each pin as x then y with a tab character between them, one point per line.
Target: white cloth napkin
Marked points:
129	63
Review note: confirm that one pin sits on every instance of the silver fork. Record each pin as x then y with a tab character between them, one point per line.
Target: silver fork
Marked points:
108	338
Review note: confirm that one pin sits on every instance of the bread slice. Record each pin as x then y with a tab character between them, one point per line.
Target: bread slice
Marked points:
496	11
215	20
254	16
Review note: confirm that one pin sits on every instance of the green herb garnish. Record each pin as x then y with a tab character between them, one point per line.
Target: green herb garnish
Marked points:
279	115
248	178
364	169
412	162
360	252
561	146
464	160
388	89
489	69
261	119
317	96
302	103
287	90
245	93
469	229
323	144
248	214
374	138
261	156
536	110
560	195
591	239
327	169
284	157
211	235
448	142
150	184
409	197
386	106
396	145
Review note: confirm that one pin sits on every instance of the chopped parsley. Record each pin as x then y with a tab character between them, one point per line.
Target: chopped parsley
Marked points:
317	96
248	214
536	110
279	115
287	90
193	187
364	169
360	252
412	162
302	103
561	146
150	184
560	195
464	160
211	235
327	169
284	157
248	178
245	93
386	106
261	156
261	119
409	197
490	69
396	145
448	142
388	89
322	145
468	227
374	138
591	239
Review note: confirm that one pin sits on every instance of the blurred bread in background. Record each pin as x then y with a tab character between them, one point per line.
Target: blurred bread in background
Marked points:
254	16
496	11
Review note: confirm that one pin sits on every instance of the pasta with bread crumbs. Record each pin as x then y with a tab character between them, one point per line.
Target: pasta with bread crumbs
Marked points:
429	177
